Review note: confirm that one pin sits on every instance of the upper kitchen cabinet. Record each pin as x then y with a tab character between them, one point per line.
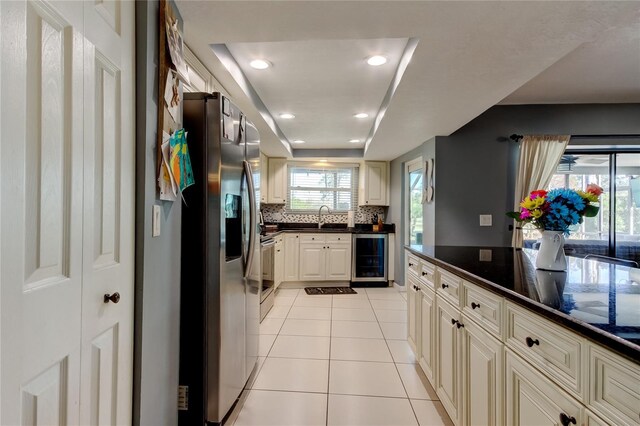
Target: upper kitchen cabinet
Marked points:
374	184
277	181
264	190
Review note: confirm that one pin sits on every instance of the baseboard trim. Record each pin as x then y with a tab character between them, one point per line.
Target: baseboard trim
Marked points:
399	287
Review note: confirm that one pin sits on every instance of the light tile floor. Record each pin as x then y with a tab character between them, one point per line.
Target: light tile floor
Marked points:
338	360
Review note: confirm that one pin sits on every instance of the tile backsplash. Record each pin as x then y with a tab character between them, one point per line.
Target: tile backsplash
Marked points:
275	213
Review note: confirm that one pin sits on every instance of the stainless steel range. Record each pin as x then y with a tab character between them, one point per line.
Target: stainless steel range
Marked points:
370	258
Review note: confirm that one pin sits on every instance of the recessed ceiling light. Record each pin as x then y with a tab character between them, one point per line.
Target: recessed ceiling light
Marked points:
377	60
260	64
298	141
287	115
323	161
361	115
355	141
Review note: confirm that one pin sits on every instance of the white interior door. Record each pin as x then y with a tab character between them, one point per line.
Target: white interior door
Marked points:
49	216
108	268
41	200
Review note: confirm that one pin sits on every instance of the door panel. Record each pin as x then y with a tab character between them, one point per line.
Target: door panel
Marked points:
107	328
338	262
312	262
41	202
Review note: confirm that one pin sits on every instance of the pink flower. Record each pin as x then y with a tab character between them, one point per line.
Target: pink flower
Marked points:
525	214
594	189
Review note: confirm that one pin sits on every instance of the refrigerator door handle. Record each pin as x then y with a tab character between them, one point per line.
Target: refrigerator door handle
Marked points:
252	216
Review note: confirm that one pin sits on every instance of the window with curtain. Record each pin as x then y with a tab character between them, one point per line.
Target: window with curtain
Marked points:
615	231
310	187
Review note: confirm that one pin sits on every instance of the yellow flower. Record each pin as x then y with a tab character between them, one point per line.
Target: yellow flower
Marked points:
530	204
589	196
536	213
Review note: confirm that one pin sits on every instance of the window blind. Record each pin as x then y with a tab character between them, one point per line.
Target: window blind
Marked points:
309	188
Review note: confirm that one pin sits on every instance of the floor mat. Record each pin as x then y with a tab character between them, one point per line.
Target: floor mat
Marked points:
330	290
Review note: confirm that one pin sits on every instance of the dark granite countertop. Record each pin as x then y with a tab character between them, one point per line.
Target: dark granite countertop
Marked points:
599	300
312	228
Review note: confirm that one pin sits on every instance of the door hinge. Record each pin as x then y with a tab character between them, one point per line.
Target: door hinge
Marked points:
183	398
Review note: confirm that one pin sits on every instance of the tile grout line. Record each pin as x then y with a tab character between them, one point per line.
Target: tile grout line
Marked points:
326	416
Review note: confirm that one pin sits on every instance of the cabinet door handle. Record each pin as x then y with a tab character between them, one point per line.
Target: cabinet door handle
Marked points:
459	324
410	264
454	321
566	420
531	342
474	305
445	285
424	273
115	297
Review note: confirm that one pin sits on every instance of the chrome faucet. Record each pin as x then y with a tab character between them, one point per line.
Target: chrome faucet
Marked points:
320	215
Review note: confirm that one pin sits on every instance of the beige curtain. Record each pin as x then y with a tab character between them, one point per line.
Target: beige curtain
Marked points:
539	159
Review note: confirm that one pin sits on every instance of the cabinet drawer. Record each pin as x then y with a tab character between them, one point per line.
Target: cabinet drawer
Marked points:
533	399
614	387
449	287
428	274
553	349
484	307
413	264
338	238
312	238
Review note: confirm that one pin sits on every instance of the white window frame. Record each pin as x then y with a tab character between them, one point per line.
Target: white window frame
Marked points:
411	166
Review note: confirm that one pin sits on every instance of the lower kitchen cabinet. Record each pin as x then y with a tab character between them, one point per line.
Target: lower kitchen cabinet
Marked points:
448	356
482	376
278	261
532	399
426	330
338	260
324	257
312	261
292	256
478	356
412	311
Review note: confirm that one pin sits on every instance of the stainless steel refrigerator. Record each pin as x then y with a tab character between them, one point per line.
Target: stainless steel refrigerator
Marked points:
220	259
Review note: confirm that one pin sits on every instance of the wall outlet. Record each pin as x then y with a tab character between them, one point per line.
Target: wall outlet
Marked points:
155	221
485	255
485	220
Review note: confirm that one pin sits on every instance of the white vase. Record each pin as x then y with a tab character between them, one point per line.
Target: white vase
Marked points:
551	252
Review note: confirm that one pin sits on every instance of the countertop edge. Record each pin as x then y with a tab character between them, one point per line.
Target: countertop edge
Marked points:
614	343
323	231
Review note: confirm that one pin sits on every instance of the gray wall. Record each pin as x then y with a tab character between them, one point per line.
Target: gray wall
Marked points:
477	164
397	207
157	310
476	168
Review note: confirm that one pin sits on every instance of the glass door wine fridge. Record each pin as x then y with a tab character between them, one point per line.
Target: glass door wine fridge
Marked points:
369	258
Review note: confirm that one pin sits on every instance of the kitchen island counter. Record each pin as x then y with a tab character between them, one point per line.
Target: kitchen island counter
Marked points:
598	300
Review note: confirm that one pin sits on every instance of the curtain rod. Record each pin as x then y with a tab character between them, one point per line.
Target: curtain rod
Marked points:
517	138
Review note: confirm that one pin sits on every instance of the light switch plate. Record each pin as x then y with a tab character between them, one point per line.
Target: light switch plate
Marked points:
485	220
155	221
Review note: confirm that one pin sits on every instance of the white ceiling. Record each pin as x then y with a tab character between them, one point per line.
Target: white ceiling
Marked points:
323	83
470	56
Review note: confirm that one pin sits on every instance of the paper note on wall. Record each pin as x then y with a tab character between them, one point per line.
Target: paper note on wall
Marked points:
166	182
180	162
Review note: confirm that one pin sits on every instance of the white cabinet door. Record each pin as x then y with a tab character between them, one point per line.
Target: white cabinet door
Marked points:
312	261
448	357
412	319
338	259
291	257
532	400
374	184
278	262
277	192
427	332
264	179
482	377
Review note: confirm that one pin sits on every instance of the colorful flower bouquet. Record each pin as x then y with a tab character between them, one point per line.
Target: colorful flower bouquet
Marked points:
558	209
